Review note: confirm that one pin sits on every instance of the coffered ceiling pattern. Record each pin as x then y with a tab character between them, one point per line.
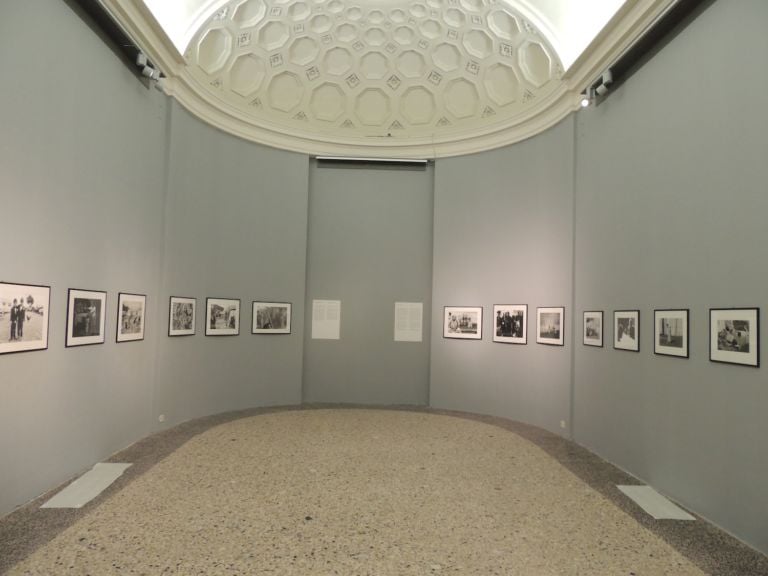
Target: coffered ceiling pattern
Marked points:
345	71
383	78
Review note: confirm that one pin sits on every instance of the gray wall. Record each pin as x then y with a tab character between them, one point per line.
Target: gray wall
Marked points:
236	227
82	162
504	235
370	245
654	199
671	211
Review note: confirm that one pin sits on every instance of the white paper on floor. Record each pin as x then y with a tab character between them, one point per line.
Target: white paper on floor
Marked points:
654	503
87	487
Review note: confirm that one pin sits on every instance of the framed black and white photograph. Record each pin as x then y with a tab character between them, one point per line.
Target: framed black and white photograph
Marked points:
670	332
181	316
23	317
222	317
271	318
593	328
464	322
550	326
734	336
626	330
510	323
86	317
131	313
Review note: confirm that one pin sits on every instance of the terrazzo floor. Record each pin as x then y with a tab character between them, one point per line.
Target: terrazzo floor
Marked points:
357	491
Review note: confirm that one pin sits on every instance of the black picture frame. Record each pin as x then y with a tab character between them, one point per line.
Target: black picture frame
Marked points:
131	321
35	301
671	332
593	328
626	330
215	308
728	335
271	317
550	325
86	310
510	323
184	310
463	322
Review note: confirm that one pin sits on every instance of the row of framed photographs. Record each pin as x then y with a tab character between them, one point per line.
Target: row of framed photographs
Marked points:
734	333
24	317
222	317
510	324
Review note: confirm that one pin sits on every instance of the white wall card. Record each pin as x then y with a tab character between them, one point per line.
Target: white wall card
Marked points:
408	321
326	319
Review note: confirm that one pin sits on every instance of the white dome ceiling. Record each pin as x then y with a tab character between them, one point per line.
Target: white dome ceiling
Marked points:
569	25
424	78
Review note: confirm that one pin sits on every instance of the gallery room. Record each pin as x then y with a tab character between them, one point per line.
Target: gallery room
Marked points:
337	287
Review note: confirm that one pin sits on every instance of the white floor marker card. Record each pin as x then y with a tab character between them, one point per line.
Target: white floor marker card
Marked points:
408	321
88	486
326	319
654	503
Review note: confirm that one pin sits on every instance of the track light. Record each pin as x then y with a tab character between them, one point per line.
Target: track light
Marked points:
599	88
151	73
607	78
147	68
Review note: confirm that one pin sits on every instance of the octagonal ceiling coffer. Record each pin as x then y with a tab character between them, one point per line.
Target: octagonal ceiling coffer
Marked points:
535	63
214	50
285	92
249	13
328	102
246	74
373	107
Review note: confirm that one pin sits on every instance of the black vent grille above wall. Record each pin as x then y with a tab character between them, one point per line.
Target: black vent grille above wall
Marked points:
378	163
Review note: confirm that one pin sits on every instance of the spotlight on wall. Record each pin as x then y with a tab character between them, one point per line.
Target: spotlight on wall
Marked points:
594	92
587	97
602	88
151	73
147	68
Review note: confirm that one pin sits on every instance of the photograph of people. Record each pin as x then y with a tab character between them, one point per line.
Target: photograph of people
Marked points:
23	317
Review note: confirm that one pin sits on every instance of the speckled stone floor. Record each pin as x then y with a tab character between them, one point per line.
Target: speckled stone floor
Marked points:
326	490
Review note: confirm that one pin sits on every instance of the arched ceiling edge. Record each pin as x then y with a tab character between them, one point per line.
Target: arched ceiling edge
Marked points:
186	82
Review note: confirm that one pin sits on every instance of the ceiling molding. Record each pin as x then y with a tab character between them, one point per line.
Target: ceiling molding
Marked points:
548	113
560	96
624	29
141	25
